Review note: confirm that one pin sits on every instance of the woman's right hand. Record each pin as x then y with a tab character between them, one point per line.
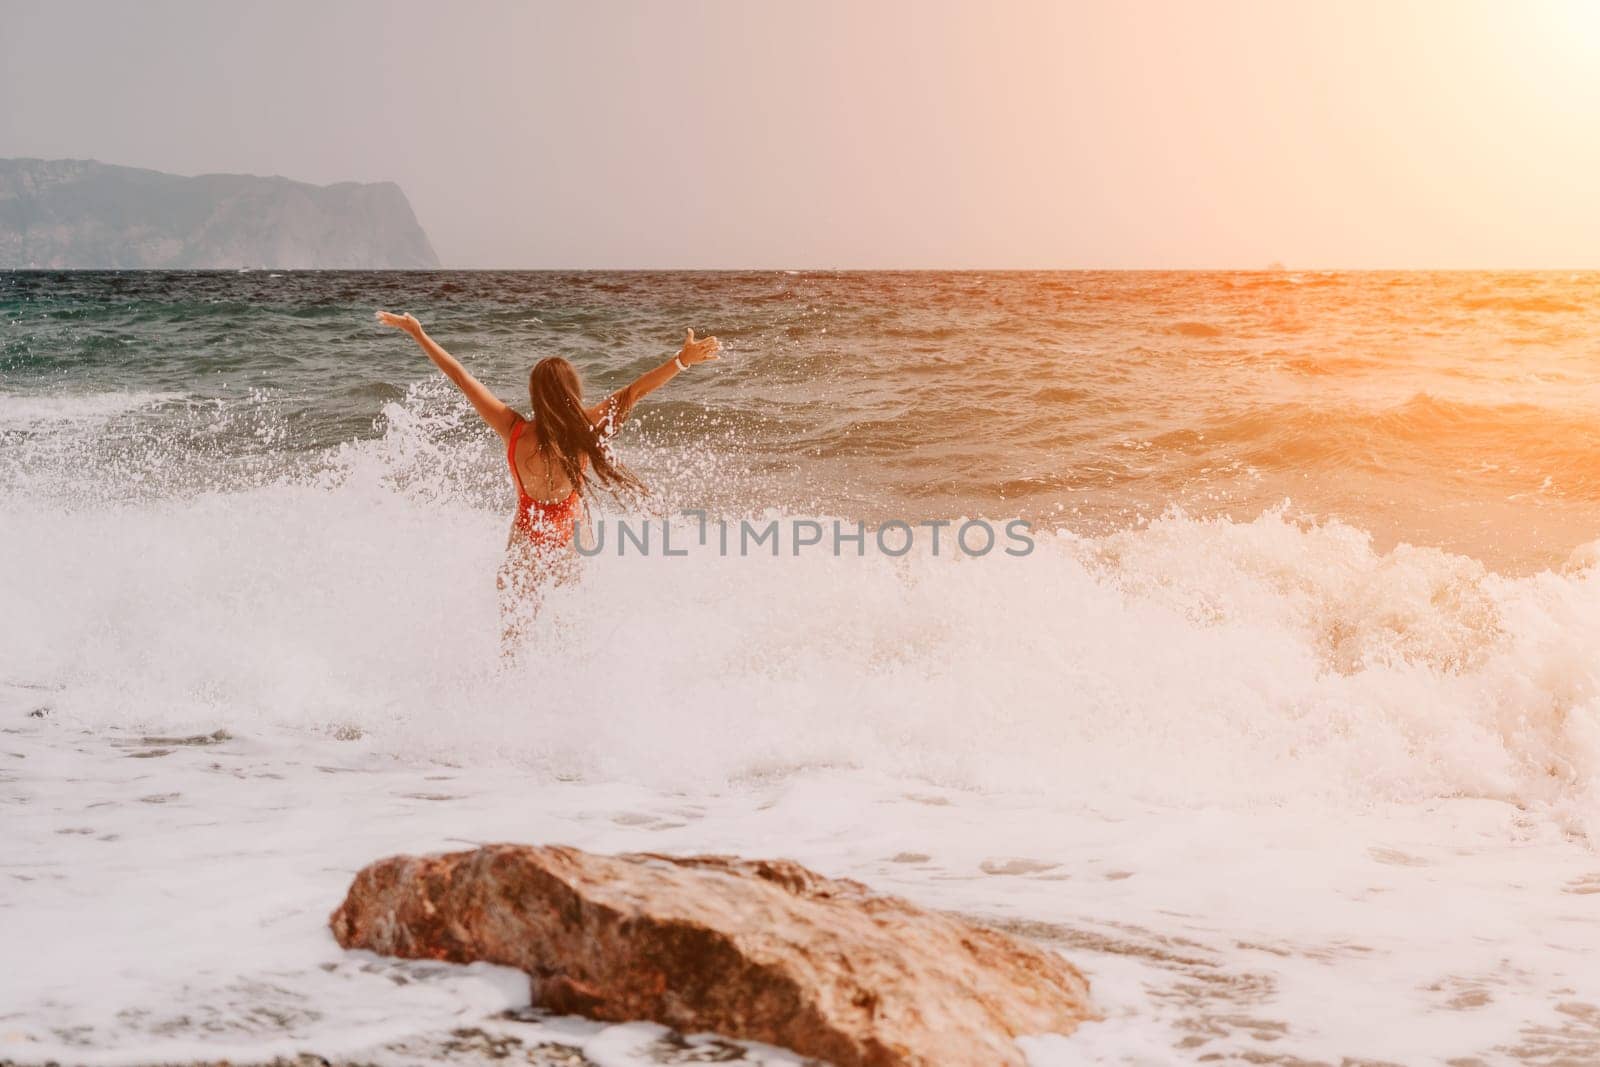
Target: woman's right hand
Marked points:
700	351
405	321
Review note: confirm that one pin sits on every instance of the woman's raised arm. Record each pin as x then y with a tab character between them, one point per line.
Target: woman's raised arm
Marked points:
494	411
614	409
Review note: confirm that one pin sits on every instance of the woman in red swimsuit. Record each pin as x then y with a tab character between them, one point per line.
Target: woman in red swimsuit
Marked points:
553	456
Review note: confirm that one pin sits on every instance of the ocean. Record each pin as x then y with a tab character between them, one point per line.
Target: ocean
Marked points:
1286	731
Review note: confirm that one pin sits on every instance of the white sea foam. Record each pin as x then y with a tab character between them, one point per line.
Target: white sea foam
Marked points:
1187	661
193	882
40	411
1266	779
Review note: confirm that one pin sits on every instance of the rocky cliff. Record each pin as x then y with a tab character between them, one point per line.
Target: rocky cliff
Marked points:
79	214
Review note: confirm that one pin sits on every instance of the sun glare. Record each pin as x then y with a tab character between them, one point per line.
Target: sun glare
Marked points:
1573	27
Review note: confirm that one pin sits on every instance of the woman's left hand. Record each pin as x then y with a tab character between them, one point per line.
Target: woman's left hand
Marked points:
700	351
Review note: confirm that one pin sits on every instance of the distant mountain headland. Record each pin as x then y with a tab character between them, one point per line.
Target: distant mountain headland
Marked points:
76	214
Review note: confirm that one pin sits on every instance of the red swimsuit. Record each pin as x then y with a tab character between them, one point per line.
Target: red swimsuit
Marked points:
545	525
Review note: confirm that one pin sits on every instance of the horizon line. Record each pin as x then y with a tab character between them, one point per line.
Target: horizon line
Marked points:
807	270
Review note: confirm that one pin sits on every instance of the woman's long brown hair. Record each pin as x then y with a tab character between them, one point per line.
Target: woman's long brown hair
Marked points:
562	428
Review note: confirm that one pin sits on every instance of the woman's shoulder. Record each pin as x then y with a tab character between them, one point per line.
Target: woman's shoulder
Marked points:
519	425
603	417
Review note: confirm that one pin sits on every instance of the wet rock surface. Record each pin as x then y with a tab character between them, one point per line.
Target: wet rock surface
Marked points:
758	950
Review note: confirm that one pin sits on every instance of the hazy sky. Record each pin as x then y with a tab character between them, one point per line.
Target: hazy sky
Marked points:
869	133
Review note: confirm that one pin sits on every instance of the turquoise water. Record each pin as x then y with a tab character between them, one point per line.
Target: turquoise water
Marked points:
1454	410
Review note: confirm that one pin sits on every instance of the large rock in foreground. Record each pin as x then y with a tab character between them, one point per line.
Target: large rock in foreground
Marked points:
762	950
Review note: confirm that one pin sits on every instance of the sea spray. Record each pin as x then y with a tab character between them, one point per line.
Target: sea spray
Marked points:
1285	732
1189	661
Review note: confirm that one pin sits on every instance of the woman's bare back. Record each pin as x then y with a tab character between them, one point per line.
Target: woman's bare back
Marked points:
541	473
